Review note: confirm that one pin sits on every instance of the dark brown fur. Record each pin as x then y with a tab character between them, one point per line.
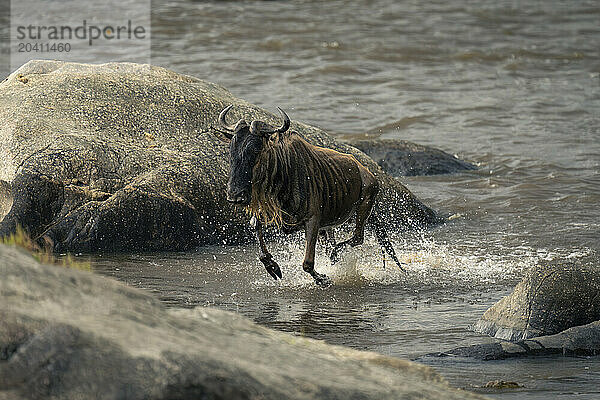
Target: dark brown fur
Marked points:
294	180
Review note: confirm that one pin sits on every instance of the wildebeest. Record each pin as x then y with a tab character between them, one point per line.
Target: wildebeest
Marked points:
282	179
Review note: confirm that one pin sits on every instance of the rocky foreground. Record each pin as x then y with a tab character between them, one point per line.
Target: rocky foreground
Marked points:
120	156
68	334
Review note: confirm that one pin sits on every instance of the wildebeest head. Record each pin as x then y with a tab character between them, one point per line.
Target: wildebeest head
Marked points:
245	144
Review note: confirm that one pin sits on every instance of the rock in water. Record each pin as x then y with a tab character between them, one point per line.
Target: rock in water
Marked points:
118	157
581	340
68	334
402	158
550	299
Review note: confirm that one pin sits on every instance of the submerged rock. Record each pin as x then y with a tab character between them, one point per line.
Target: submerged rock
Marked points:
577	341
67	334
402	158
549	299
118	157
499	384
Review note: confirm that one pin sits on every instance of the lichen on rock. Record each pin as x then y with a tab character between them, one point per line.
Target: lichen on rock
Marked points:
119	156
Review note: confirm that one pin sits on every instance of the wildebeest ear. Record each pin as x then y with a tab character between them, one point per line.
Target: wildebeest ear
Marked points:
222	135
239	125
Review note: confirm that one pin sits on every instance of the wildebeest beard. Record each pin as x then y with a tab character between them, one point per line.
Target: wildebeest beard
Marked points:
269	177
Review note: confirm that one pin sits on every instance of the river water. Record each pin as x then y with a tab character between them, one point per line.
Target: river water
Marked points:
512	86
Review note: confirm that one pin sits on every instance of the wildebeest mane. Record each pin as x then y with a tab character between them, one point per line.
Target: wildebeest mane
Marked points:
290	173
283	158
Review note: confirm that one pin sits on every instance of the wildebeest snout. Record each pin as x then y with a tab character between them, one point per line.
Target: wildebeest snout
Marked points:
241	197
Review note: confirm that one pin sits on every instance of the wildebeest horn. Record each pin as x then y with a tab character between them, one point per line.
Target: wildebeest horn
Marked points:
222	119
283	128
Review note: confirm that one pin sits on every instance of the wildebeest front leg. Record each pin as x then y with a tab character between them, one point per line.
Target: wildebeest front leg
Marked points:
312	233
265	257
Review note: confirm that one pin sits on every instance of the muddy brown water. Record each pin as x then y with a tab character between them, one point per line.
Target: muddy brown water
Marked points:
513	86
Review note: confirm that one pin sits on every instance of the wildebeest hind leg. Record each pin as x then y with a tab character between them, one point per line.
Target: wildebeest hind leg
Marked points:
327	237
384	242
362	213
312	233
265	257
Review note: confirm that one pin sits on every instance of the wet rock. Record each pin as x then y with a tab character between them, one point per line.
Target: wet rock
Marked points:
402	158
68	334
577	341
549	299
118	157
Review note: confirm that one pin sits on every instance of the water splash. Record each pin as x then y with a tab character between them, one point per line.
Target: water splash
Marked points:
430	265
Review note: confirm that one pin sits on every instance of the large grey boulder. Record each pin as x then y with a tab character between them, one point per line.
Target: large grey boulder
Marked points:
550	298
403	158
577	341
67	334
118	157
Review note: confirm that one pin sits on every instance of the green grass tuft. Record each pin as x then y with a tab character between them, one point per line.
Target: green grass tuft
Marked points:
20	238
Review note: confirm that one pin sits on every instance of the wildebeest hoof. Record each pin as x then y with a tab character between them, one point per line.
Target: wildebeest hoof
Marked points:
334	257
322	280
271	266
274	271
